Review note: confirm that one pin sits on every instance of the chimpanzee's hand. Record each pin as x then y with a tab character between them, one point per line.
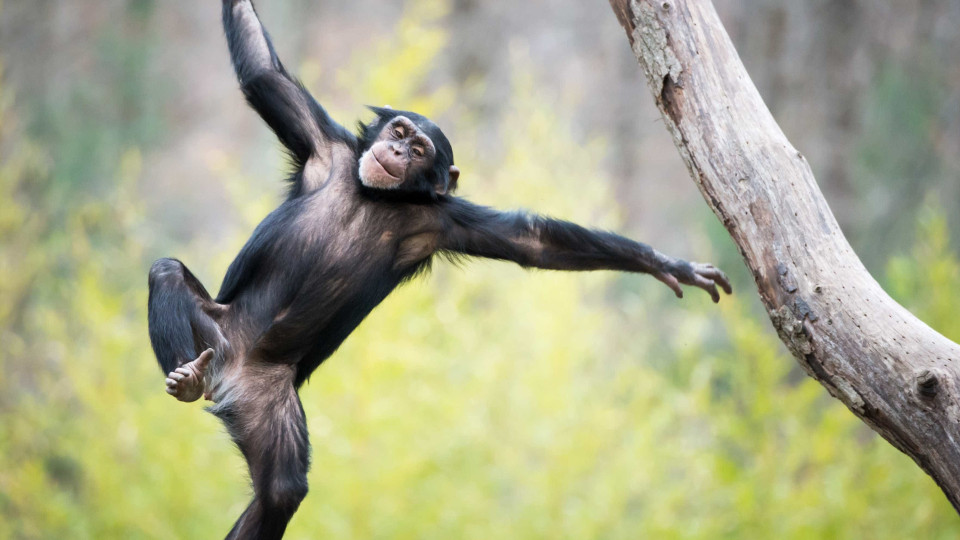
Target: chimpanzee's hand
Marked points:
704	276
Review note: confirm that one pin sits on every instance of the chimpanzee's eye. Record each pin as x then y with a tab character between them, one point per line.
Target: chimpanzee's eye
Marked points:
398	132
417	151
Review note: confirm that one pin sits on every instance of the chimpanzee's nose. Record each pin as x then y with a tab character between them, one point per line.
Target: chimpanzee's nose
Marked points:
397	149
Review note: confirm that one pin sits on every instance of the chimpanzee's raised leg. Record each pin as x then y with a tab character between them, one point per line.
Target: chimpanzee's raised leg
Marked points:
262	412
183	331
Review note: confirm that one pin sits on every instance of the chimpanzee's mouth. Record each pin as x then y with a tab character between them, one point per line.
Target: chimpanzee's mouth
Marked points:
383	167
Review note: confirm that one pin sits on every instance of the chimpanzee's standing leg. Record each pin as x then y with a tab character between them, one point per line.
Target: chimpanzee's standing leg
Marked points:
262	412
183	331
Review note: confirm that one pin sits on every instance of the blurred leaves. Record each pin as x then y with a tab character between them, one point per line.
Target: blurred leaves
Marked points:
394	70
482	402
898	159
929	289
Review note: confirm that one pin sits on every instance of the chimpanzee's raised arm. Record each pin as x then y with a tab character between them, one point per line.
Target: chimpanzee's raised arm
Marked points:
302	125
540	242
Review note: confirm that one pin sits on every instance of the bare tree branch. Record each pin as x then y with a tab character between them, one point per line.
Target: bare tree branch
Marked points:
892	370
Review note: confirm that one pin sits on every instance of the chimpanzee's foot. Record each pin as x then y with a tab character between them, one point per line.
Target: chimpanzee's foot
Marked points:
186	382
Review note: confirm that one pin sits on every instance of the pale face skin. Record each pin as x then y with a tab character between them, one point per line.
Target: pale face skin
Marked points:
401	153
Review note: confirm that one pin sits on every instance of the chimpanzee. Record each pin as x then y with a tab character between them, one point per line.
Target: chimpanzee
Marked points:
363	214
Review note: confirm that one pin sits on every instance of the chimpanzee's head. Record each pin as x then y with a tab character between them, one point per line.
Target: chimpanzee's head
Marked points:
404	151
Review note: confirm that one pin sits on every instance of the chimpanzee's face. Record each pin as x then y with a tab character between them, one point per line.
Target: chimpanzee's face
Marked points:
401	153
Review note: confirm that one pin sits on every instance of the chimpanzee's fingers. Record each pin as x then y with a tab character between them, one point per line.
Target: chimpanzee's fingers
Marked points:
719	278
171	391
724	282
713	273
714	294
176	375
671	281
171	383
186	372
709	286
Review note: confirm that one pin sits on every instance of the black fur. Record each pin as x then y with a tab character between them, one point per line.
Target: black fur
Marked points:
181	326
319	263
271	433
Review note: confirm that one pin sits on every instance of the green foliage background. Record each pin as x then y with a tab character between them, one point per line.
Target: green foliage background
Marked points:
482	402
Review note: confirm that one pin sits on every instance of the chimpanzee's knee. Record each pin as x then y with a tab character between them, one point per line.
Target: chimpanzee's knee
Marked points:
163	269
285	494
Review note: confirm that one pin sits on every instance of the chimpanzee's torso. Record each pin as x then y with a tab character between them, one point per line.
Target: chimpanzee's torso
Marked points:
298	273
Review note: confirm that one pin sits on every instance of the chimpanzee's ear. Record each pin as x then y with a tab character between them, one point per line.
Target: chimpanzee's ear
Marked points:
454	176
450	185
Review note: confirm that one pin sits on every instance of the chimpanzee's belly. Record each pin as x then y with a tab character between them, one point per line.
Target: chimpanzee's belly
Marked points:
342	307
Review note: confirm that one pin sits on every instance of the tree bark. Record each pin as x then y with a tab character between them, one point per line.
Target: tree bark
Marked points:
892	370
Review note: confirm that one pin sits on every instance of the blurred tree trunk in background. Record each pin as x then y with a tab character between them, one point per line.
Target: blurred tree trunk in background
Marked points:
889	368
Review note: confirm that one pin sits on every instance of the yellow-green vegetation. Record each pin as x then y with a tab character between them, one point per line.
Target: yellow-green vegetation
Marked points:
482	402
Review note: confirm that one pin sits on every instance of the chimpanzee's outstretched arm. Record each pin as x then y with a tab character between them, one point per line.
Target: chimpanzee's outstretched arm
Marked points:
541	242
302	125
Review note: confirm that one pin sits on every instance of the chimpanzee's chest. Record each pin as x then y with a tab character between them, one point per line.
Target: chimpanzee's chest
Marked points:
345	232
350	254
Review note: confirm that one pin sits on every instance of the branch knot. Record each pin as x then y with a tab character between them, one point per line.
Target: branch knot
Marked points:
927	383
